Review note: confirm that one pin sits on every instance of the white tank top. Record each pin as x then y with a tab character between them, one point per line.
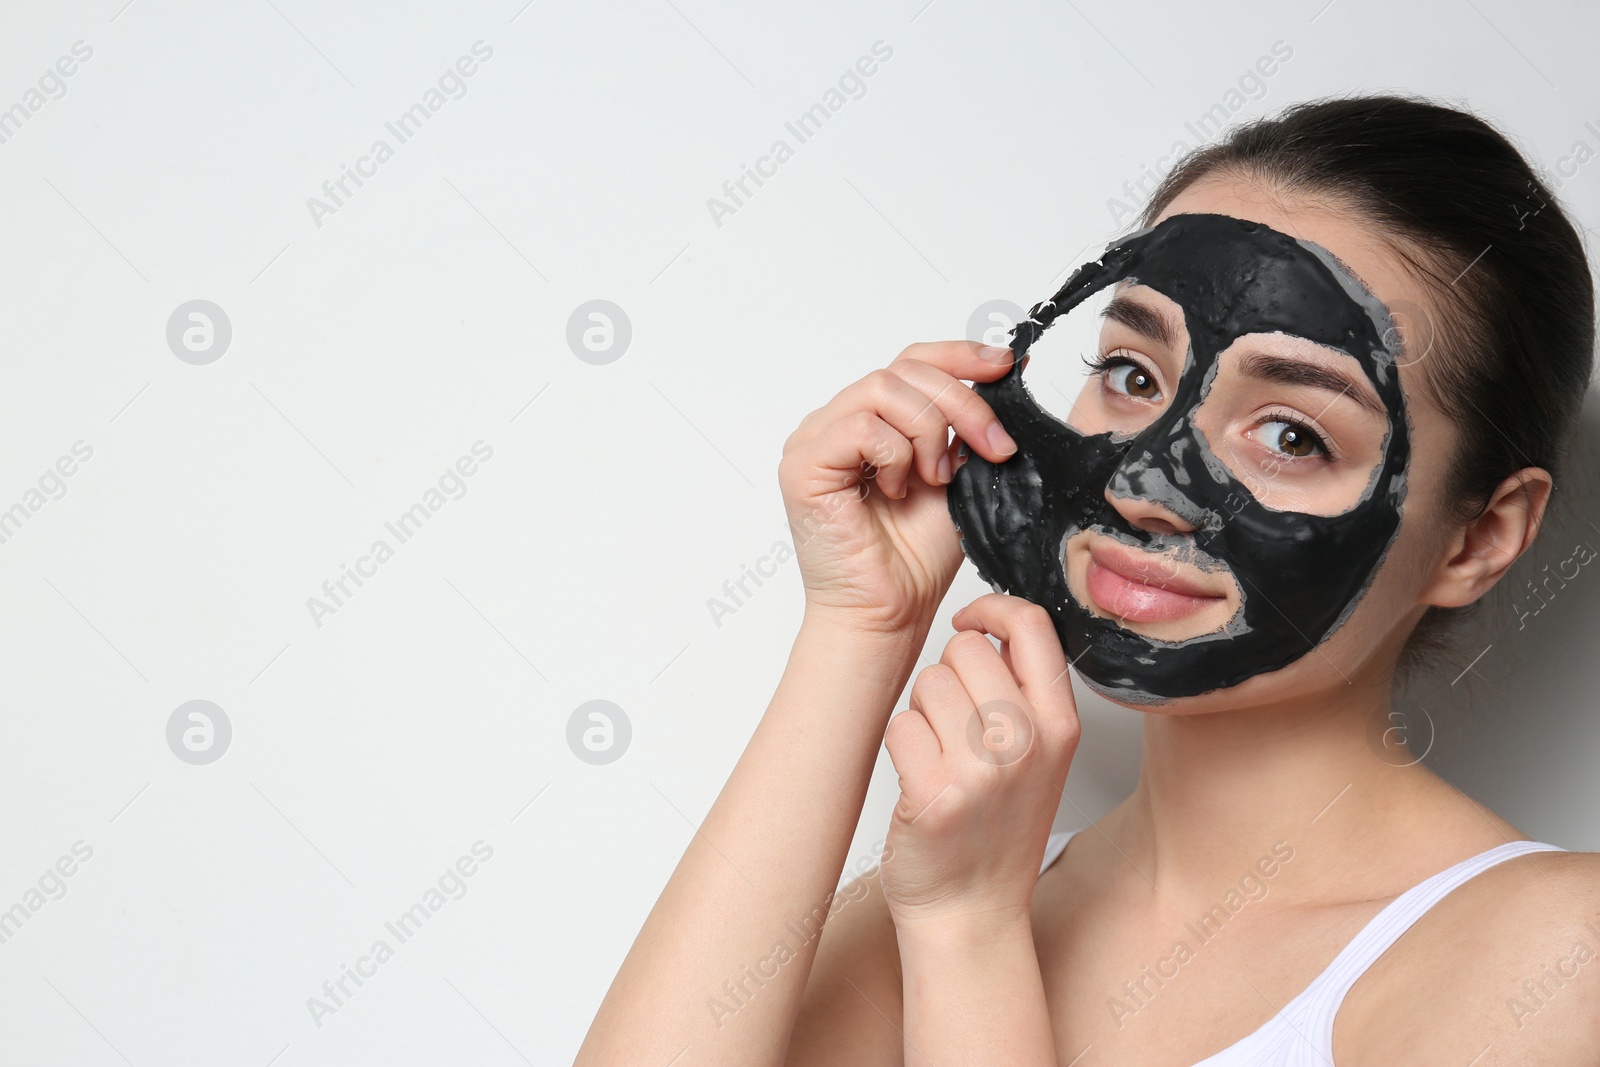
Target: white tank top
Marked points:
1301	1035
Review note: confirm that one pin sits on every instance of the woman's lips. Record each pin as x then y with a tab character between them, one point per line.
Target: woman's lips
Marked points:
1139	587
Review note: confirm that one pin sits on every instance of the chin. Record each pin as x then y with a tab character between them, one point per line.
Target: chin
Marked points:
1203	704
1318	677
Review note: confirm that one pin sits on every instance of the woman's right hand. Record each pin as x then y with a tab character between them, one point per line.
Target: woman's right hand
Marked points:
863	480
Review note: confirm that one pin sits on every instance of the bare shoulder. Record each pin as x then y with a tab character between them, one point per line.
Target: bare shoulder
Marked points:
851	1010
1504	970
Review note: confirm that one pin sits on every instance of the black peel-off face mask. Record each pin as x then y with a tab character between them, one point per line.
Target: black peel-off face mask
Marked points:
1299	575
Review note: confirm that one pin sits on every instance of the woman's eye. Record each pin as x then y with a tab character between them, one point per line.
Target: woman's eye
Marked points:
1132	380
1292	439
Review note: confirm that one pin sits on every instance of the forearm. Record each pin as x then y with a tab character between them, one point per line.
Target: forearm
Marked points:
704	971
974	995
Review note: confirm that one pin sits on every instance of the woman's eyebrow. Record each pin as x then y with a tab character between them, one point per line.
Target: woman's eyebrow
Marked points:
1143	319
1287	371
1158	325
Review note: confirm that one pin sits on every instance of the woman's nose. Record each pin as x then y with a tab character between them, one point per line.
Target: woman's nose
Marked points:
1144	495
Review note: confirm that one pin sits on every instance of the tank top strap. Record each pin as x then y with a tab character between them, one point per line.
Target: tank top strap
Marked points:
1053	848
1403	912
1301	1034
1321	1000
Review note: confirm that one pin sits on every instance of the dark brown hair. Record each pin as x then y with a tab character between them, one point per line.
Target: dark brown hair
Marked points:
1510	355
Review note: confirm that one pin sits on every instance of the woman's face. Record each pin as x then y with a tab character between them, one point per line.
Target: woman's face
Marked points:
1299	424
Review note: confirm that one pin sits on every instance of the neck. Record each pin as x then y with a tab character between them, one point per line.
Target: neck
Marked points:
1218	791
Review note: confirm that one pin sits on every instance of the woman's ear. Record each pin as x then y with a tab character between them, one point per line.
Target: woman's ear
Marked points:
1483	549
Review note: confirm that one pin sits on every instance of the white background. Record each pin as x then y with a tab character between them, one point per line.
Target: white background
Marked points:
430	312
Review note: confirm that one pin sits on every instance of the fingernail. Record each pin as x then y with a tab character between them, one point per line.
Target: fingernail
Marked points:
1001	441
997	356
944	469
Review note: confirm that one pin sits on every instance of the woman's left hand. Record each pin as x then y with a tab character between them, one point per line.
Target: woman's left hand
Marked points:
982	757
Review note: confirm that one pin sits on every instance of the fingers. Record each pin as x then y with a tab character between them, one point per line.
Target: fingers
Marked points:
1035	658
1000	726
938	693
835	460
919	415
974	706
981	709
918	760
960	359
980	667
921	395
966	412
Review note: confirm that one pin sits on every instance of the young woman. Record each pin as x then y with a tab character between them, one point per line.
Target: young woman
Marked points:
1272	892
